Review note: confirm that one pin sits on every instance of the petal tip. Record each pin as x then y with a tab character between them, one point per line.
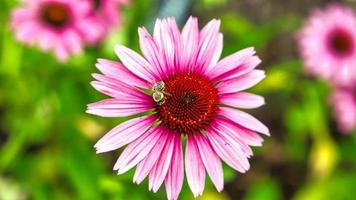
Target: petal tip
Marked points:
120	171
100	60
99	150
89	111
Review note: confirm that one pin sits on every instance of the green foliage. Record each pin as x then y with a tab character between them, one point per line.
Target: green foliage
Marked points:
265	189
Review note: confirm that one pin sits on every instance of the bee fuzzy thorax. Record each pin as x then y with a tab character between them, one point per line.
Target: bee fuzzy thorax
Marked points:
158	92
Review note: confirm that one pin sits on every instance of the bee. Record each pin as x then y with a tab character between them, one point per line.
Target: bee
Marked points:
158	92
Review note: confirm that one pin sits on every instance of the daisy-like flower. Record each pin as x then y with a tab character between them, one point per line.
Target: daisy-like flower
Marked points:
344	103
180	91
55	25
105	16
328	44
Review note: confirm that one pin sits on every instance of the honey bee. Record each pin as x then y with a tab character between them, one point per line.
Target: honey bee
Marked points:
158	92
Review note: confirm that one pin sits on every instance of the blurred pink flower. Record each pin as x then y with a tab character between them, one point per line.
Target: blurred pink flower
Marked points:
328	44
55	25
180	89
65	26
344	103
105	16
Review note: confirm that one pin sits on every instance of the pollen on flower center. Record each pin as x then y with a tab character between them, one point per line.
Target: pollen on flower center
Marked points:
341	42
55	14
190	103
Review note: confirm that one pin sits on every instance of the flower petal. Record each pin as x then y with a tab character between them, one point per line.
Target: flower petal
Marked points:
243	119
118	107
119	72
122	112
194	167
175	175
210	46
247	66
160	169
211	162
242	100
190	42
124	134
20	15
250	137
146	165
135	63
238	143
60	51
167	36
241	83
152	53
72	41
137	150
344	105
47	40
228	150
230	63
116	88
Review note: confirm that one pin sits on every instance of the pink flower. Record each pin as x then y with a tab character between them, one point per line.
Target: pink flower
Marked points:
180	91
105	16
55	25
328	44
344	102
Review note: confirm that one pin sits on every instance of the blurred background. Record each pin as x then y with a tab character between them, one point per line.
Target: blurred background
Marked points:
46	138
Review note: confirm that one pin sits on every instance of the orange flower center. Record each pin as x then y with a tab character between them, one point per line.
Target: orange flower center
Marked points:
55	14
190	103
96	4
341	42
